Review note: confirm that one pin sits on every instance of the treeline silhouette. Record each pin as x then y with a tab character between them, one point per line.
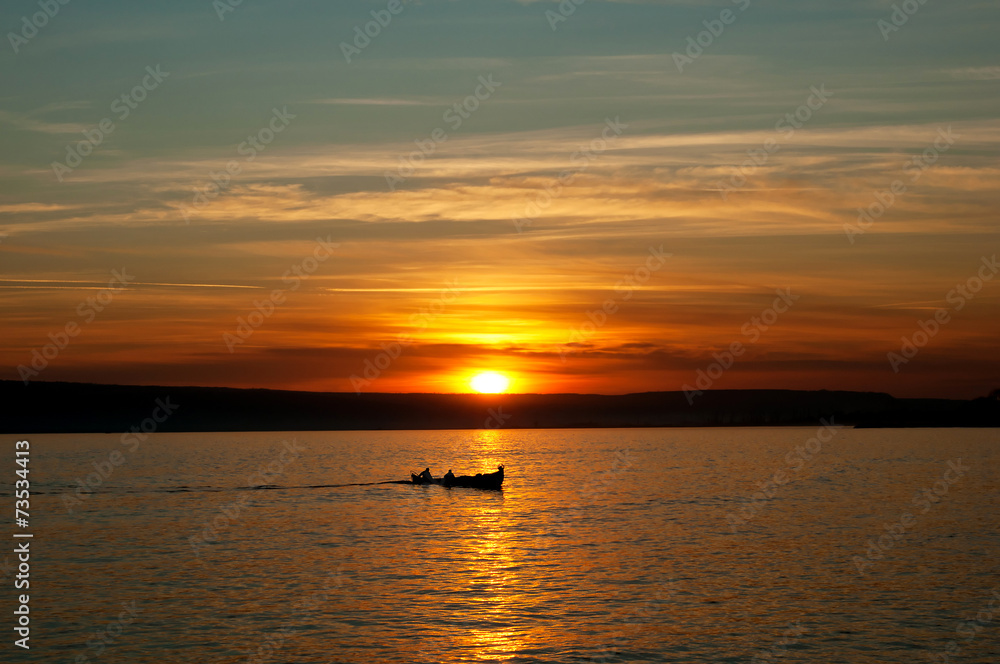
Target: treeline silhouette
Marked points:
51	407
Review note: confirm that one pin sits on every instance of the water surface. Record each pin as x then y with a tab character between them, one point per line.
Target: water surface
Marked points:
634	545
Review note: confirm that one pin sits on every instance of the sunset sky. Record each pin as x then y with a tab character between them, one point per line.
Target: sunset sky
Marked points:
592	156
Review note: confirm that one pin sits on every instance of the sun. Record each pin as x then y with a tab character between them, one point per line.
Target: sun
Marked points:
490	382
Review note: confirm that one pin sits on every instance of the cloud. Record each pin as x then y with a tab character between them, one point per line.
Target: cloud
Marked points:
30	122
975	73
24	208
373	102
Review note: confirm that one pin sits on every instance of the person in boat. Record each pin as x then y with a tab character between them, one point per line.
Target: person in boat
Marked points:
426	475
449	476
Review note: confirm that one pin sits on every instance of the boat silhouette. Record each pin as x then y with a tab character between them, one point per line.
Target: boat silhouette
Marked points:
477	481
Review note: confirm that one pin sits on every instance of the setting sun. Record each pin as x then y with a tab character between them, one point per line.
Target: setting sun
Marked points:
490	383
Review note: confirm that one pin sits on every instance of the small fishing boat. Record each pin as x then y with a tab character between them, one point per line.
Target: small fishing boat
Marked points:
477	481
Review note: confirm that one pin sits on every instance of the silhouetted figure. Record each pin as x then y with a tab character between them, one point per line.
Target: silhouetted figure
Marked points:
449	476
426	475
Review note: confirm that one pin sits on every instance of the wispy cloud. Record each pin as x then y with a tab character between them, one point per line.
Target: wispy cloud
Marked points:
975	73
373	102
30	122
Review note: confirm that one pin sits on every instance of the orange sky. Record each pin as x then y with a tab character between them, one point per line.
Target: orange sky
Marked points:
590	174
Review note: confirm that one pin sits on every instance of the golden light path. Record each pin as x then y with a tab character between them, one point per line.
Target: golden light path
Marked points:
493	557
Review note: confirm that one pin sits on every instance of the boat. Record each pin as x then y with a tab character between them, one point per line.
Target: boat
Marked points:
477	481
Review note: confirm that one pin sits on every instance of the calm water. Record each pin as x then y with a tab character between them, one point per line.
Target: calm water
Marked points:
605	545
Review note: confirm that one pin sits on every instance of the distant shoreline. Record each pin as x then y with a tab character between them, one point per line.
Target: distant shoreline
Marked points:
53	407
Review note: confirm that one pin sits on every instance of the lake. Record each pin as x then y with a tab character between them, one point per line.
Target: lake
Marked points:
817	544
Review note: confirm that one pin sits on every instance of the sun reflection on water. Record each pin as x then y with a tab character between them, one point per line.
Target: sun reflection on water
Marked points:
492	635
